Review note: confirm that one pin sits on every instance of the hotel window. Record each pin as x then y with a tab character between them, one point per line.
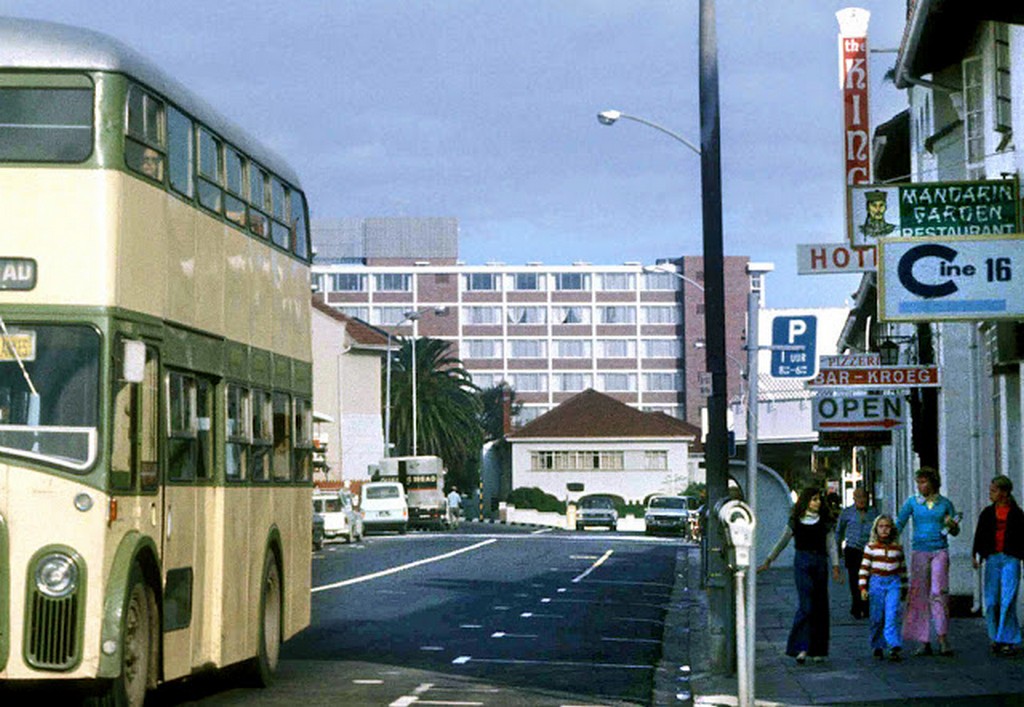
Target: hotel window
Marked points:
572	348
572	315
571	281
528	348
528	281
618	281
661	281
482	315
616	348
663	348
571	382
617	315
392	282
529	413
527	315
357	312
481	282
663	381
482	348
349	282
617	382
656	460
529	382
317	281
662	314
388	316
483	381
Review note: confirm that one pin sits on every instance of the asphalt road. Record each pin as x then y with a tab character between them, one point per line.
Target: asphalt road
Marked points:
485	615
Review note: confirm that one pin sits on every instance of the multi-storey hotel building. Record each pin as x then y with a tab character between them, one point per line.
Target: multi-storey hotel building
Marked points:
632	331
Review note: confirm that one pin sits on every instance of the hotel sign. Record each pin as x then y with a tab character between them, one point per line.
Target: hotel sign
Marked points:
932	209
17	274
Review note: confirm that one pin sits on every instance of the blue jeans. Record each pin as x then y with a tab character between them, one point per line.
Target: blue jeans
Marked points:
811	623
1002	580
884	604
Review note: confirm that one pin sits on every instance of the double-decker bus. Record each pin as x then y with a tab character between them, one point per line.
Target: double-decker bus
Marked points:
155	376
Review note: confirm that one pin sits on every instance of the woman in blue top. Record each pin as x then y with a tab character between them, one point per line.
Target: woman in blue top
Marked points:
934	518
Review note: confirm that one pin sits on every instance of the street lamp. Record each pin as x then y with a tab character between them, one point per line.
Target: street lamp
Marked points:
720	600
410	316
608	117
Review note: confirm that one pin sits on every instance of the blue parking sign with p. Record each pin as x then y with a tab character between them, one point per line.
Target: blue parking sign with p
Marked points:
800	333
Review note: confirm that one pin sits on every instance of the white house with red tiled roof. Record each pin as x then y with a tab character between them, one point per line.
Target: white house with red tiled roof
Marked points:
347	355
606	446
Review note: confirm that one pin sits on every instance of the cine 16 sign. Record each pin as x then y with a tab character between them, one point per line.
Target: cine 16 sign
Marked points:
955	279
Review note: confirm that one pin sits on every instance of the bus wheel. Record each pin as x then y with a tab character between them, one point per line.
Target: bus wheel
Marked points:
129	689
268	653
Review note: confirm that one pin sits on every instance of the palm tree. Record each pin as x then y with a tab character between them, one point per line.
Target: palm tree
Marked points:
447	418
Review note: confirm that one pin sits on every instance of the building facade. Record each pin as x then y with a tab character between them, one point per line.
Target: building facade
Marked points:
550	331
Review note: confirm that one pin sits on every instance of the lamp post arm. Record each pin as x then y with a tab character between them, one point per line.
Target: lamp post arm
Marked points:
670	133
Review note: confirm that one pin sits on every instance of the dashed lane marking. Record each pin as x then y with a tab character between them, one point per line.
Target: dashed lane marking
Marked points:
463	659
593	567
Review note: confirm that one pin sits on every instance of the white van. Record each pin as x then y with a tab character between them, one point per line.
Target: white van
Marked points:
341	519
384	506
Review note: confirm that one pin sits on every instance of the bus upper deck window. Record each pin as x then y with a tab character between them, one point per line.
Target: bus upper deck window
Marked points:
45	124
144	145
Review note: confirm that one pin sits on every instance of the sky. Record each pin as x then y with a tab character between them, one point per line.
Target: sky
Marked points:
486	111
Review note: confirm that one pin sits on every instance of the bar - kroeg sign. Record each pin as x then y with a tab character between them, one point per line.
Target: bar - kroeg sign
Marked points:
956	279
927	209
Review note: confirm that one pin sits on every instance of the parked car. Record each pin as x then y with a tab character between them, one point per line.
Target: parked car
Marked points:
318	531
384	506
671	514
341	518
596	510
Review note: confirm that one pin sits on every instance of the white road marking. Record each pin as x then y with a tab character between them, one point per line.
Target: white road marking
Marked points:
531	615
582	557
367	682
626	583
470	625
502	634
462	660
541	531
422	687
404	701
593	567
641	621
431	648
401	568
561	589
631	640
502	608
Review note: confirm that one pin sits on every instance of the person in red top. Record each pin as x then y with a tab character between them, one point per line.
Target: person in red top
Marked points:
883	573
999	542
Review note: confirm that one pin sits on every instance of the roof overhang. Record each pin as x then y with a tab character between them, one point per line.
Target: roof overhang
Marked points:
939	32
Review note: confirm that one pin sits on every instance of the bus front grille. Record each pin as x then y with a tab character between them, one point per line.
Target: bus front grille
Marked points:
52	640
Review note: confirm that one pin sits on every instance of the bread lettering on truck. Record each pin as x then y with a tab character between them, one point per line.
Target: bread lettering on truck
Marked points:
423	479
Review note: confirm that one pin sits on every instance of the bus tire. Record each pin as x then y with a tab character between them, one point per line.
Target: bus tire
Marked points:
268	644
137	655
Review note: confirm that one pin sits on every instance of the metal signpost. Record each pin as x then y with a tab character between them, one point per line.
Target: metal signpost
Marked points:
950	278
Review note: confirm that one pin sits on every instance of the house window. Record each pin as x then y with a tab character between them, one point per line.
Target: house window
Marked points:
577	461
974	117
617	315
571	281
481	282
656	460
393	282
527	315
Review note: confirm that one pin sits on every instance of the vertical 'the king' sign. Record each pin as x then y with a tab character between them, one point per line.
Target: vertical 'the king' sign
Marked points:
853	79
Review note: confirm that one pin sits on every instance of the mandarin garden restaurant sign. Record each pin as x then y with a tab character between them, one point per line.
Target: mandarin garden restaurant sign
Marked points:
17	274
926	209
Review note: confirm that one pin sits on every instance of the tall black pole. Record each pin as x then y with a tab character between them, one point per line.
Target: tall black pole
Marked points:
721	621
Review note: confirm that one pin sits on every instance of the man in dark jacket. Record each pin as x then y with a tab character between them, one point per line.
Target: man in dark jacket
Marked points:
999	542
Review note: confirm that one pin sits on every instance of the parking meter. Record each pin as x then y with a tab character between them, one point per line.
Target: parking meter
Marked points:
738	525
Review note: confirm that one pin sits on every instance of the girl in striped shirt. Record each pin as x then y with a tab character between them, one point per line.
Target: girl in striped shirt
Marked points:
883	575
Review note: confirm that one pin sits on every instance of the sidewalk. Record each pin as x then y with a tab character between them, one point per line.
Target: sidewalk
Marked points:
851	675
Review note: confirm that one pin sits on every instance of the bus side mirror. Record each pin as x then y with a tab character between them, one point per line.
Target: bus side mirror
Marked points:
133	361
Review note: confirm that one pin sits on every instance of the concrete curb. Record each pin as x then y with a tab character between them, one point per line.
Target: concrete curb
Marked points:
680	643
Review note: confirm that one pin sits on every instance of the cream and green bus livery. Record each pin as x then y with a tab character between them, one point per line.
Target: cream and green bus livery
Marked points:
155	376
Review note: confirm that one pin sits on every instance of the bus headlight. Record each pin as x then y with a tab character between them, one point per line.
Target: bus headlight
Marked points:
56	575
